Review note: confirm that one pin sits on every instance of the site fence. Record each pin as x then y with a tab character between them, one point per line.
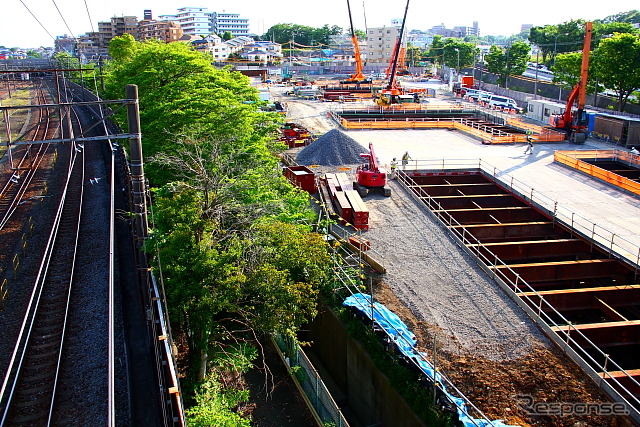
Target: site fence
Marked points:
316	393
597	364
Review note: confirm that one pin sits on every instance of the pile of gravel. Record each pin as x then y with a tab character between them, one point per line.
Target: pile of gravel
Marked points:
334	148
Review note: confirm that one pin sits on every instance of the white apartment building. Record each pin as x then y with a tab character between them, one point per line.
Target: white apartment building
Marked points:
200	21
380	44
223	22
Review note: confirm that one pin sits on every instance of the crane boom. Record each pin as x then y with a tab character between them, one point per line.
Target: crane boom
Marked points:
576	124
357	76
397	49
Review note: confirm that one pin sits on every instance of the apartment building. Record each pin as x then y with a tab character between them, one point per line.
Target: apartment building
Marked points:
166	31
223	22
200	21
380	44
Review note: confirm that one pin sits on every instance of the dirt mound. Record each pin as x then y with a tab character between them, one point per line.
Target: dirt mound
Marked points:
334	148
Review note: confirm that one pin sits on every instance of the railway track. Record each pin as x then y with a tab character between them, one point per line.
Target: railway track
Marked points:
33	376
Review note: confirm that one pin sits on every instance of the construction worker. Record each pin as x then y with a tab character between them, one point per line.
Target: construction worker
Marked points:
634	151
394	165
405	158
529	149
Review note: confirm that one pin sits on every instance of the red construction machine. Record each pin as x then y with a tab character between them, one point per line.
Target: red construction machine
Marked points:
370	176
575	123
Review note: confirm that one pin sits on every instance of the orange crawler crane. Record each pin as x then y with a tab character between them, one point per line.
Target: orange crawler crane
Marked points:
358	76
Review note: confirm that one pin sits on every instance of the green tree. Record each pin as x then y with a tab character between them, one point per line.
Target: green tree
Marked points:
507	61
435	54
227	36
458	54
301	34
617	64
214	405
178	87
123	48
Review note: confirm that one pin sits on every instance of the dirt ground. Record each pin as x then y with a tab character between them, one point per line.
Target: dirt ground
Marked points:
275	400
546	375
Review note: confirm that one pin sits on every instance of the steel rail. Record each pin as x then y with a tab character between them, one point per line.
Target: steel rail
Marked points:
45	276
17	186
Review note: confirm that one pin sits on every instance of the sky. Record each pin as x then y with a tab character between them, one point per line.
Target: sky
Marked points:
34	23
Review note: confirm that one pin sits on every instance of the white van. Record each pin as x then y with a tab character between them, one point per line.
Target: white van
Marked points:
502	102
475	94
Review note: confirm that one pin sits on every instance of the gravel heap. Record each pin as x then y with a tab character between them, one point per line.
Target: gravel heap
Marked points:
334	148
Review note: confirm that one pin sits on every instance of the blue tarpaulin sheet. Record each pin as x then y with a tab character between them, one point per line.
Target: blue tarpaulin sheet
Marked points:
405	340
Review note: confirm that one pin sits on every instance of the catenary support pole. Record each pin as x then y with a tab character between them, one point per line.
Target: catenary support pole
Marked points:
137	167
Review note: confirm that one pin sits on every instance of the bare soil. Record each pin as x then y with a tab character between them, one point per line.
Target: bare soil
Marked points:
546	374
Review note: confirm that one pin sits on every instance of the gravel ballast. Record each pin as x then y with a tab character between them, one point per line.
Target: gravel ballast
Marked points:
334	148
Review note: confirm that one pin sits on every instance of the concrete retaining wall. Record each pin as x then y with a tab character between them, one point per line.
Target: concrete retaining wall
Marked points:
368	392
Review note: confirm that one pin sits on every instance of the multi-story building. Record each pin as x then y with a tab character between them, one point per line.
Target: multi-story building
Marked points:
193	20
199	21
457	32
65	44
419	38
380	44
223	22
166	31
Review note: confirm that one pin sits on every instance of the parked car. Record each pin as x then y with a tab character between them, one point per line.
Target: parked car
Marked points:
503	102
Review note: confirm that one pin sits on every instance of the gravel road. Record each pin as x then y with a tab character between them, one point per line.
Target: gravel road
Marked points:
441	284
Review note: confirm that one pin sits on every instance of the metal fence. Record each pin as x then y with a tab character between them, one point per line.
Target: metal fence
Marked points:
595	363
317	394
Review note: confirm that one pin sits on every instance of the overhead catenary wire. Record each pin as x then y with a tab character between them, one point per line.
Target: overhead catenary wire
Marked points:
37	20
62	17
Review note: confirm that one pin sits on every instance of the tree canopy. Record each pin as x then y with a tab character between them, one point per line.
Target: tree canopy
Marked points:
509	60
228	230
301	34
617	65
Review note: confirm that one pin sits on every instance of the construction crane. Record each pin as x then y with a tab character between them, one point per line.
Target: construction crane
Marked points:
392	92
575	124
357	77
370	176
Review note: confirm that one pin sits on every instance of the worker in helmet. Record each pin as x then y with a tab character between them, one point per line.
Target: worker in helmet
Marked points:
634	151
394	165
405	158
529	149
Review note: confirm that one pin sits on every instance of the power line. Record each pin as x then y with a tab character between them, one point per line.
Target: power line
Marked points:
89	15
63	20
37	20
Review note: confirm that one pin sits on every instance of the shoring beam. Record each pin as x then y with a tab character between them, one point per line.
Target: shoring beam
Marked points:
624	378
483	201
563	270
604	334
495	215
586	298
481	188
510	230
532	249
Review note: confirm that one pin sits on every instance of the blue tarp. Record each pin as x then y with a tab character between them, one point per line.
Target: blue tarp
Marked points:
405	340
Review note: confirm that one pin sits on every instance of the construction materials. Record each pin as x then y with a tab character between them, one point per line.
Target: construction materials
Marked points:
302	177
334	148
295	135
345	202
